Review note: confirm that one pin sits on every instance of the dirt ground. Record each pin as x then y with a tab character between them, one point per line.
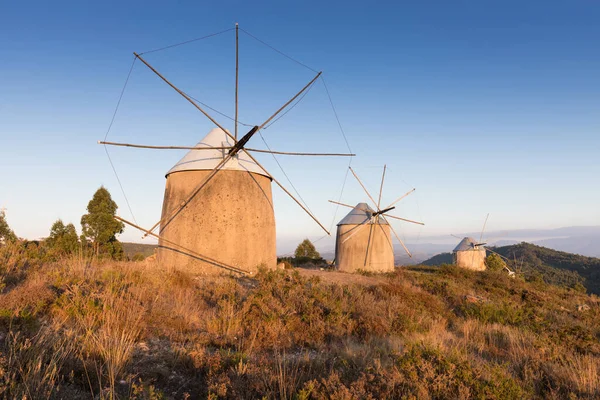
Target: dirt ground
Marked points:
341	277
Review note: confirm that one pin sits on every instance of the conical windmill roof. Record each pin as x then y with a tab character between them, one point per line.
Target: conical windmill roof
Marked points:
359	214
466	244
198	160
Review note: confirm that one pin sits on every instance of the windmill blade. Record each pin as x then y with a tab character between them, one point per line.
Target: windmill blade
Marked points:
288	153
189	252
364	188
492	251
347	205
404	219
397	237
165	221
401	197
143	146
288	193
368	244
386	237
185	96
291	100
482	229
356	230
285	153
381	187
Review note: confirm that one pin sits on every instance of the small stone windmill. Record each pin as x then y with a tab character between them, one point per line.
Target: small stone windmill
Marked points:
471	254
217	210
369	249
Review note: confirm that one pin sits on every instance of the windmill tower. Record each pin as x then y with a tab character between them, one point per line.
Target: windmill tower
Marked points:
369	249
217	212
471	254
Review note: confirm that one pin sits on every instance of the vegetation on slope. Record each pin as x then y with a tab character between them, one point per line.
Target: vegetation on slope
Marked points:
540	263
554	266
131	330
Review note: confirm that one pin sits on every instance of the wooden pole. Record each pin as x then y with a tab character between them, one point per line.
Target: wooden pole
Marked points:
404	219
301	206
345	205
385	235
185	96
483	229
401	197
397	237
368	244
237	60
165	221
358	228
285	153
143	146
364	188
192	252
291	100
381	187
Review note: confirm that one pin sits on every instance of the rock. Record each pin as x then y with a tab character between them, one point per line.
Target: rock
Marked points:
474	299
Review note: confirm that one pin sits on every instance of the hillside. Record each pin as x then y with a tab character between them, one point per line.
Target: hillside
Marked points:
80	329
131	249
554	267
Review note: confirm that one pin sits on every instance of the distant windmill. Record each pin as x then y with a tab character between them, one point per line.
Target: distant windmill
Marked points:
371	250
471	254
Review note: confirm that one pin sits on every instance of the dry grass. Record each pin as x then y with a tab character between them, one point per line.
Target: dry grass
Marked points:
130	330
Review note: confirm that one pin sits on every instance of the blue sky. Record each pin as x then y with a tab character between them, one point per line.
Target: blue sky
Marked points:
482	106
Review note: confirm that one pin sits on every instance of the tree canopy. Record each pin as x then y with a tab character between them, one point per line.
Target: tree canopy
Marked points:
494	262
99	226
307	250
63	239
6	234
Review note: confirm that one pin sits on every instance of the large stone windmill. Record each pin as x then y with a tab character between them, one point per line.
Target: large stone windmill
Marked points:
369	249
217	210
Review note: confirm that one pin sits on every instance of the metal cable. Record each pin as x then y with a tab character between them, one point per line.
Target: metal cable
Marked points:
336	114
278	51
108	131
292	107
217	111
284	173
186	42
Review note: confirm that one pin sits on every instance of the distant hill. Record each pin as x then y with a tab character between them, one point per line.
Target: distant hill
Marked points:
132	249
555	267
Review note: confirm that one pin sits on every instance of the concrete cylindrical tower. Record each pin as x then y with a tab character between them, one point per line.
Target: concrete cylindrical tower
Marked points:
230	219
469	254
357	231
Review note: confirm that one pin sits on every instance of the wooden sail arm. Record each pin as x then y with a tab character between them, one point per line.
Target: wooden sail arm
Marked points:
397	237
348	205
185	96
192	252
404	219
288	193
401	197
385	235
381	187
290	101
364	188
357	229
285	153
165	221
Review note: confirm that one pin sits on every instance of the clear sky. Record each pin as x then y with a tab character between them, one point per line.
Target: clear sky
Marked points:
482	106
